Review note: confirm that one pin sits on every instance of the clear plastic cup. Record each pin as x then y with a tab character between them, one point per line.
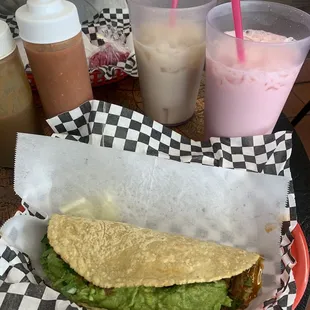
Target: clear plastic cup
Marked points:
170	50
246	99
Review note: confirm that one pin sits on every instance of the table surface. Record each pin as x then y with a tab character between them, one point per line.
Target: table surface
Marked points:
127	94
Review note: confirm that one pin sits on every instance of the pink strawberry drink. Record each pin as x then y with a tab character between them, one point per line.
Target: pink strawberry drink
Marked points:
246	98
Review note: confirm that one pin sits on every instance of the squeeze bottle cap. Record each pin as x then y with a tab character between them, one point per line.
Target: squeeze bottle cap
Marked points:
47	21
7	43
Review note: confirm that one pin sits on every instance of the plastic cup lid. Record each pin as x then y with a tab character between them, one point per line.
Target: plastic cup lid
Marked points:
47	21
7	43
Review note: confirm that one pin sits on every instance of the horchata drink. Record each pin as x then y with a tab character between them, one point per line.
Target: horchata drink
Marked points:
170	49
246	97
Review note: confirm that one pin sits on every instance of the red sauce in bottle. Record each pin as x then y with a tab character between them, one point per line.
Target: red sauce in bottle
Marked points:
51	32
17	111
61	74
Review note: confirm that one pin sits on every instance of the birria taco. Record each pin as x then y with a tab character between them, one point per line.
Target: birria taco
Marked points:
116	266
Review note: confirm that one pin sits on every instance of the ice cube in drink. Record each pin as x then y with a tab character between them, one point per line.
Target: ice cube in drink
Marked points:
170	63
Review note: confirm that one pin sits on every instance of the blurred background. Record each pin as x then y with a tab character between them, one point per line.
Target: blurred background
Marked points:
300	4
88	8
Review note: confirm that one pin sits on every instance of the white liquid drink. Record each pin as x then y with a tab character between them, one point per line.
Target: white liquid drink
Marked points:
170	63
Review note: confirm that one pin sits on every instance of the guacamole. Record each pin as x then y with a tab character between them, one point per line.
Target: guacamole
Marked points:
197	296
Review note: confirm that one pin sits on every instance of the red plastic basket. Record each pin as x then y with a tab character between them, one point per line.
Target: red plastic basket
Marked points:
301	269
97	78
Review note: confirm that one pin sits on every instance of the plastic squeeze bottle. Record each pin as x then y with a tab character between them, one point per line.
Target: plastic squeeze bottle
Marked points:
17	111
51	32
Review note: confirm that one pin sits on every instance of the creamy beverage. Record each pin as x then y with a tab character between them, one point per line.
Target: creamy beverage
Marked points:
170	63
246	98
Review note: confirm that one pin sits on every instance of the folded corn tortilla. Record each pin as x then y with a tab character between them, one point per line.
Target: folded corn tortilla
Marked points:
127	267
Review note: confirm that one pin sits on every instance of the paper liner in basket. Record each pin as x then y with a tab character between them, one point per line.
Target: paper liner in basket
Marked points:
108	125
115	17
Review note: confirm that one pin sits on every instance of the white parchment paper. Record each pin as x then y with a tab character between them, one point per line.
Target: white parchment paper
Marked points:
232	207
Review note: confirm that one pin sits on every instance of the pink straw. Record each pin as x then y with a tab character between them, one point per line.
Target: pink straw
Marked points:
236	10
174	5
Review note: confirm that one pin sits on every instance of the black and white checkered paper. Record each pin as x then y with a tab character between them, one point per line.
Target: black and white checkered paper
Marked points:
104	124
114	17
